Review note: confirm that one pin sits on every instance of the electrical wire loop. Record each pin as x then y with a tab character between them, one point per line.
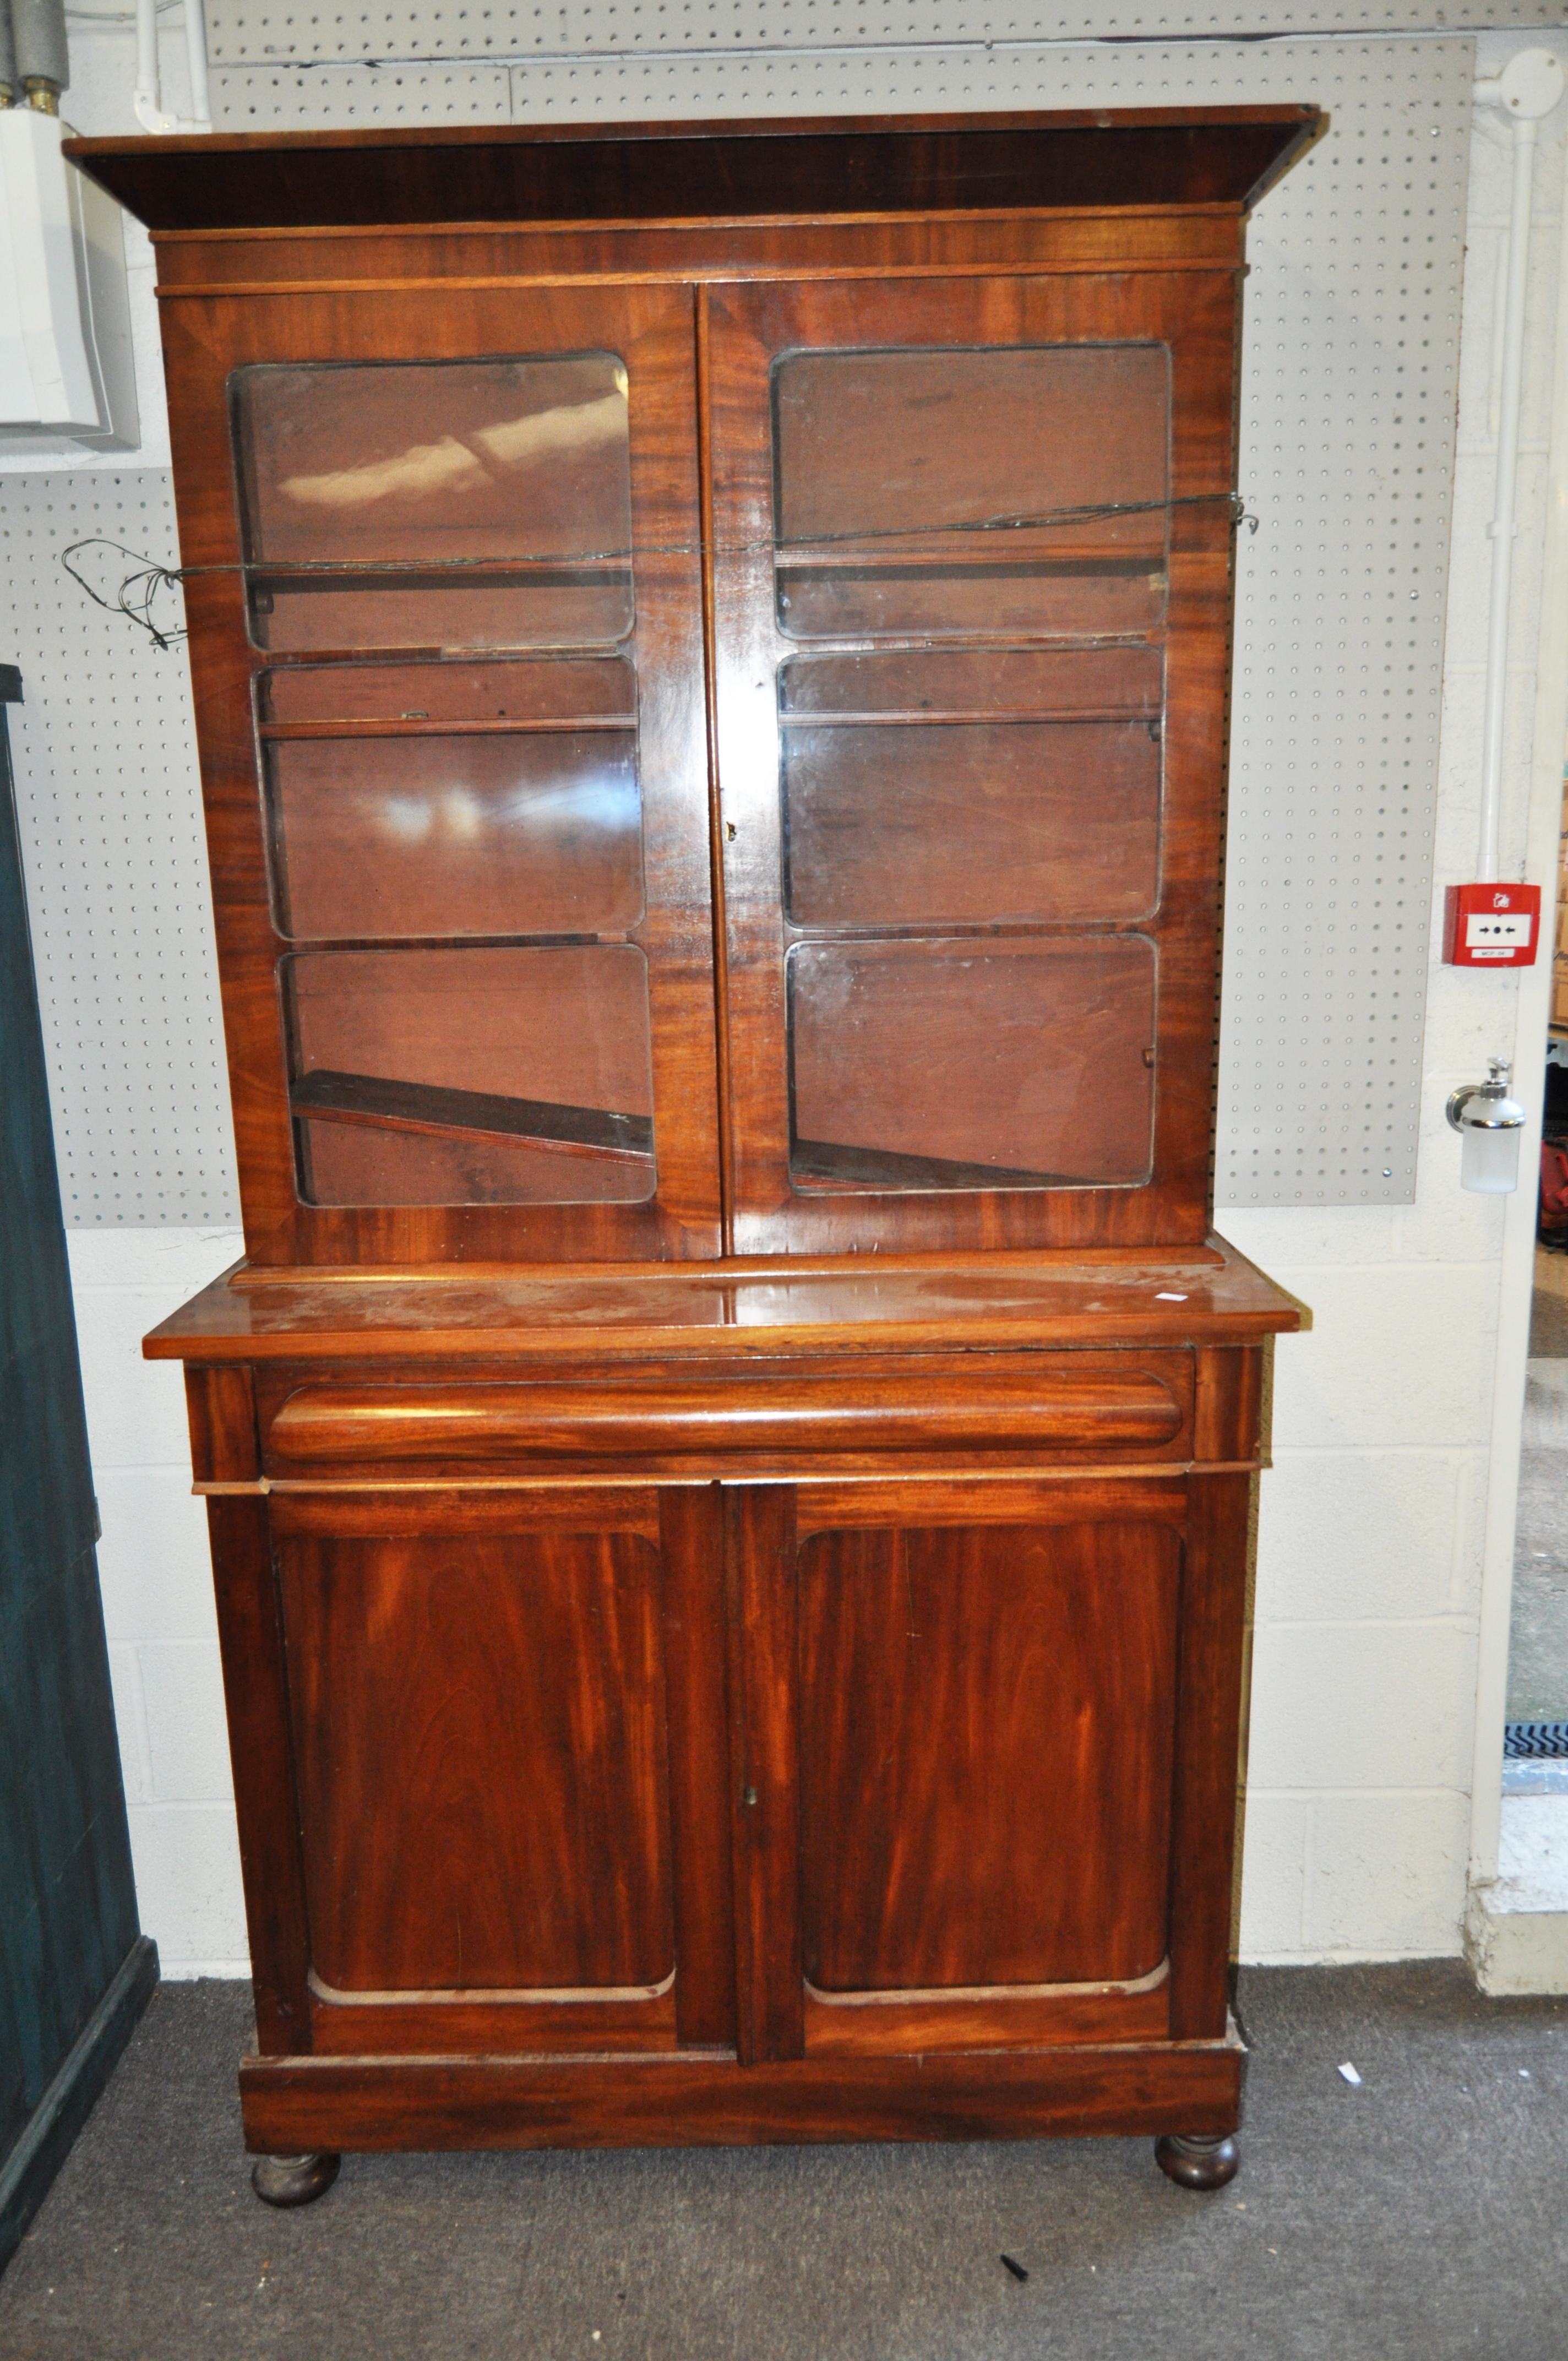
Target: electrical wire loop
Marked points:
137	592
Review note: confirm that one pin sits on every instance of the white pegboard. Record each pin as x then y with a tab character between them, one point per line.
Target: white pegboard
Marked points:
240	32
110	809
1351	349
249	31
338	98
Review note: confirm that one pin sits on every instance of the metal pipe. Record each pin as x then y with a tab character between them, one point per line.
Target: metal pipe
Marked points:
1512	1349
1528	88
196	56
42	58
148	98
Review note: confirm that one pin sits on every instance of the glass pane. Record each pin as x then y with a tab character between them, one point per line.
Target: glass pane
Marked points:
527	822
911	486
955	786
440	504
486	1077
960	1064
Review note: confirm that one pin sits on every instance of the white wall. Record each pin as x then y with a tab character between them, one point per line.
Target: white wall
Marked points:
1371	1524
158	1592
1370	1537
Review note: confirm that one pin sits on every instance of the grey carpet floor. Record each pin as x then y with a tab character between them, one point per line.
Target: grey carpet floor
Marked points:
1422	2216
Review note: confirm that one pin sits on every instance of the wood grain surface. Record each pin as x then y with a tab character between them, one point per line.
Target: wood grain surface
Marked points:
1078	1401
730	1475
987	1725
674	2101
479	1730
581	172
759	1305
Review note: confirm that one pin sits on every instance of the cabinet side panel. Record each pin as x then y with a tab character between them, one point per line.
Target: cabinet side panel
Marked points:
220	1405
986	1728
250	1638
1213	1604
482	1760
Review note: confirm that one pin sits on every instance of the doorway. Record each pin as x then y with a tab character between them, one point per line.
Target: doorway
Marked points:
1533	1849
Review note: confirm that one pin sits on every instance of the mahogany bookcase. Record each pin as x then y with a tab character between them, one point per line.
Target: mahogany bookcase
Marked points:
728	1454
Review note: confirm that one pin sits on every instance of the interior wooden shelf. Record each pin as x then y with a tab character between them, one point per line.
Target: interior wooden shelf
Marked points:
969	717
411	727
540	574
388	1106
971	567
832	1165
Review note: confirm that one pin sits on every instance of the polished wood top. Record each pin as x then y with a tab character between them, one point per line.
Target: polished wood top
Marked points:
764	1306
845	166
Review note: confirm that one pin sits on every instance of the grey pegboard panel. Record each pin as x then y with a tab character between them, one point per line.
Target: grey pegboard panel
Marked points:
339	98
110	809
248	32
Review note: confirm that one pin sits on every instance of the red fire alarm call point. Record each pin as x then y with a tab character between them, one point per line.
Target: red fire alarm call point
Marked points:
1491	925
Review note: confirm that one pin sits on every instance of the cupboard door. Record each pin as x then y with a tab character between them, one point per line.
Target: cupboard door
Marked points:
961	1731
972	552
451	706
493	1728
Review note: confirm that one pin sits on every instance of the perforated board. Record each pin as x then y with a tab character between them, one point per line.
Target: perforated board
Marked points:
249	32
110	809
343	97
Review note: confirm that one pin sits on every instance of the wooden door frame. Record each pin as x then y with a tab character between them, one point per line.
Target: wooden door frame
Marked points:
649	327
742	327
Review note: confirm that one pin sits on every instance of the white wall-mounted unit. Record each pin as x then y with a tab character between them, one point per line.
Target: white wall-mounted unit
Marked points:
66	375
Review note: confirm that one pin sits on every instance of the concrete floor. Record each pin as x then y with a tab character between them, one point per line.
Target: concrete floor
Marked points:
1417	2217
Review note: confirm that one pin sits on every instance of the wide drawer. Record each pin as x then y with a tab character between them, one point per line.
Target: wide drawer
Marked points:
1012	1403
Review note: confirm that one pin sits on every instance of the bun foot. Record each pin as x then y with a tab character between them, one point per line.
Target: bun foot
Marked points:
1197	2160
293	2180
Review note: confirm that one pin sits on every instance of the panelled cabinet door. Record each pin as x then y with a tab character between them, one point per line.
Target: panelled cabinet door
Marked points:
959	1704
447	615
973	555
514	1833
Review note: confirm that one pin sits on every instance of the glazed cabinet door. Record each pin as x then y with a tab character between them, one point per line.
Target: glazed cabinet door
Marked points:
506	1730
972	580
446	625
960	1763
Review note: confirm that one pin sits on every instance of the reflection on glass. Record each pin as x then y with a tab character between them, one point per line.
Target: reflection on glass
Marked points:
967	1062
972	787
950	490
486	1076
436	504
442	800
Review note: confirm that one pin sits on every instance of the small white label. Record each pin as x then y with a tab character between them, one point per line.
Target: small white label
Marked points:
1164	1296
1350	2074
1507	928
